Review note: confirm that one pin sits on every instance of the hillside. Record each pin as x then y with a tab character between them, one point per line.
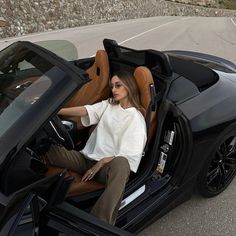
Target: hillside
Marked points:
18	17
229	4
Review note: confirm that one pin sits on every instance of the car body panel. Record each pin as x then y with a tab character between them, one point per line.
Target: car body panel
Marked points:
213	62
210	112
213	107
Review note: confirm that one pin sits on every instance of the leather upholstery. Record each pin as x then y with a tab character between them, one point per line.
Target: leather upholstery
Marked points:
99	74
144	79
77	187
94	91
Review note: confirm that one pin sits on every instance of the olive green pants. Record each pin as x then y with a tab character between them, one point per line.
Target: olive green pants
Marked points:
113	175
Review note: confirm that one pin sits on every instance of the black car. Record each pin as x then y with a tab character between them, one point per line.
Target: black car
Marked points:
189	99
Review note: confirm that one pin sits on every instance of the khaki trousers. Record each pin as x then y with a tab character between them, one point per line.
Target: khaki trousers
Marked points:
113	175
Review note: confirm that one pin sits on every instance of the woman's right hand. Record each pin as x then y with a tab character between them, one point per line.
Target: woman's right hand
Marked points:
90	173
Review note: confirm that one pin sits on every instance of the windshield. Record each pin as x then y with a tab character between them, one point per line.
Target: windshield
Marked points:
24	78
62	48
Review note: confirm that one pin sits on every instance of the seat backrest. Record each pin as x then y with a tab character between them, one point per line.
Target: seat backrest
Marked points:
144	79
95	90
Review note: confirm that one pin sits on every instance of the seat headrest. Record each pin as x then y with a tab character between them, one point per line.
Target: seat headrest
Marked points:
100	67
143	77
96	89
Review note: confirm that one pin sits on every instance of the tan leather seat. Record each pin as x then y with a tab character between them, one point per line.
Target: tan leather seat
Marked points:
77	187
95	90
144	79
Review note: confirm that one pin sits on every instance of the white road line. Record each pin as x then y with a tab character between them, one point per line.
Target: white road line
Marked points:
233	21
51	32
145	32
81	28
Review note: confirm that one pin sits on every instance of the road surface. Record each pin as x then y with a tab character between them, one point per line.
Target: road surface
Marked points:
216	36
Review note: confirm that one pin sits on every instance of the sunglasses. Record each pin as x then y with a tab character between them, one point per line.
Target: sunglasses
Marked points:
116	85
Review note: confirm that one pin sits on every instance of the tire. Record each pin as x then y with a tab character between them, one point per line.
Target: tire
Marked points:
220	168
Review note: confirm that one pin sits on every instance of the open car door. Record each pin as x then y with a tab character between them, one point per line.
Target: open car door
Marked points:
20	211
26	212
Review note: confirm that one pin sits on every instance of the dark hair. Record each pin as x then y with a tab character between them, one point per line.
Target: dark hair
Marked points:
130	84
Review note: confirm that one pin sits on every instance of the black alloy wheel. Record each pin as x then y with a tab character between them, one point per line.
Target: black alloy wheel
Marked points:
220	170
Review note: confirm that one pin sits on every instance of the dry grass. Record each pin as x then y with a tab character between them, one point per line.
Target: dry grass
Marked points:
229	4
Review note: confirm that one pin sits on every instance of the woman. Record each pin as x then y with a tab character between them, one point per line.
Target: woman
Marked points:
115	146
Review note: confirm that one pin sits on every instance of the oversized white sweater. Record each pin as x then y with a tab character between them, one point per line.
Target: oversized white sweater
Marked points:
119	132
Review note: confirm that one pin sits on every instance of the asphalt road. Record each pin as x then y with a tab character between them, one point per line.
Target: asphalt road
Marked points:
216	36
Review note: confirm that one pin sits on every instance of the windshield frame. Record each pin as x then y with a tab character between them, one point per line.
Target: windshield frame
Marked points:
46	106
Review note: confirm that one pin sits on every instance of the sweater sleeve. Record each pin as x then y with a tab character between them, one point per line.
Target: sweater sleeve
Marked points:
95	112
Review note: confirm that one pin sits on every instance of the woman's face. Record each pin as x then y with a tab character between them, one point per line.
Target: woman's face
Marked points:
118	89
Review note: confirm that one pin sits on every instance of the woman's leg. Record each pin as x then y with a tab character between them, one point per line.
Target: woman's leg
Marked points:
115	174
61	157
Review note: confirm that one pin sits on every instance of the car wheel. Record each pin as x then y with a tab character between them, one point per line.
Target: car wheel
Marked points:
220	169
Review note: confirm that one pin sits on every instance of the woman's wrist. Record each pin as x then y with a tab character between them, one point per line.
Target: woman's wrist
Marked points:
106	160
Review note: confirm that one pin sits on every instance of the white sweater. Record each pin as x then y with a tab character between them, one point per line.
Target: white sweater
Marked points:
120	132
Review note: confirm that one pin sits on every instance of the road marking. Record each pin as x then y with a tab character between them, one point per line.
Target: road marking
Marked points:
49	32
145	32
233	21
77	28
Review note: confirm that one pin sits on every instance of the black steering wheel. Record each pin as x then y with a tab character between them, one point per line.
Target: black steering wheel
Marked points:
56	130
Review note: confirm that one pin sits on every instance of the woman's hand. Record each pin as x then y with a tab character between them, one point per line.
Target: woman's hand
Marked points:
90	173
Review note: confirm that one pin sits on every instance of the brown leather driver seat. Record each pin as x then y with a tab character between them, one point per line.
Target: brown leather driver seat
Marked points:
95	90
144	80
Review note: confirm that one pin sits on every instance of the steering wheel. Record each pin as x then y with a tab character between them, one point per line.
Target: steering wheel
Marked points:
56	130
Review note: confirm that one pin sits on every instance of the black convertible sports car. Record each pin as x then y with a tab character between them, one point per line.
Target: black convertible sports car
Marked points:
189	100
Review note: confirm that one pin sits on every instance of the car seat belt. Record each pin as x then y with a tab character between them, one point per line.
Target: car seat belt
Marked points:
151	108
